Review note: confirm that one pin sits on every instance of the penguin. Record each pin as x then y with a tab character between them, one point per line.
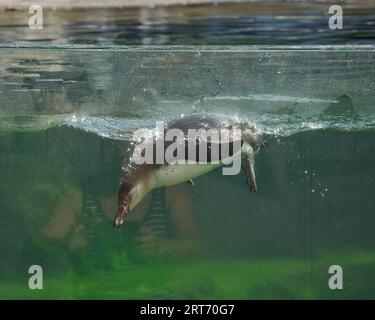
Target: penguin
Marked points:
140	179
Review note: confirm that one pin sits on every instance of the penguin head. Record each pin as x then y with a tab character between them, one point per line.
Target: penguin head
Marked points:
133	188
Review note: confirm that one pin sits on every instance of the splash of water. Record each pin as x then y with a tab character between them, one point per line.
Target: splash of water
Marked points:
118	128
296	117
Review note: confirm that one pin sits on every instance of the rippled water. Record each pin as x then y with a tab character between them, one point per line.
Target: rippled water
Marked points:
258	22
111	93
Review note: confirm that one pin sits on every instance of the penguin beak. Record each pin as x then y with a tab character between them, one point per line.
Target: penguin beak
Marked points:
123	211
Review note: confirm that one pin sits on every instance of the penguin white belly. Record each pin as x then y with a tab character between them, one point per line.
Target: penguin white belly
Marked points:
169	175
172	174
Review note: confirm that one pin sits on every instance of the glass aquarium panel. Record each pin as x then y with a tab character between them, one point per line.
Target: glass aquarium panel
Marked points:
67	116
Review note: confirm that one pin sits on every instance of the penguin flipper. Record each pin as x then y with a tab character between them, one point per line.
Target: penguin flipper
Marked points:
248	164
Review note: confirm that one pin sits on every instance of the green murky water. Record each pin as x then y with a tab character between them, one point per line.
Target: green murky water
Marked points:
66	118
